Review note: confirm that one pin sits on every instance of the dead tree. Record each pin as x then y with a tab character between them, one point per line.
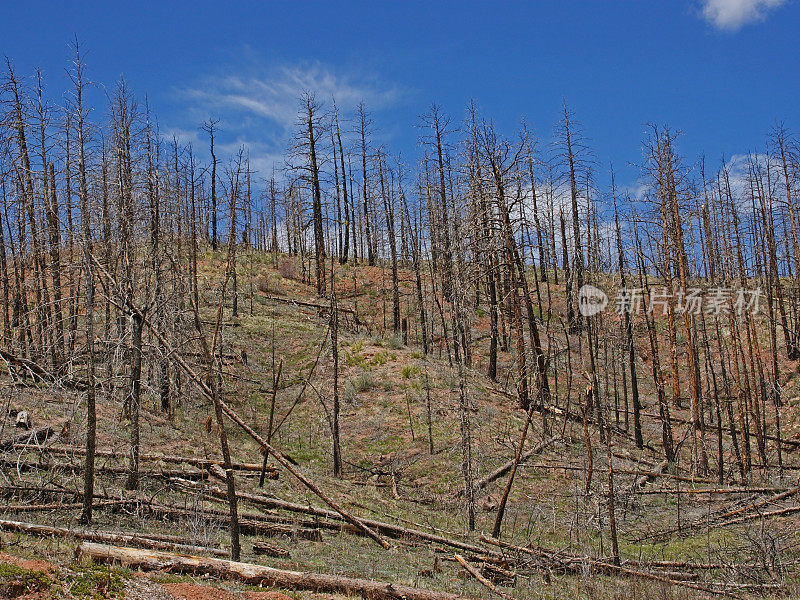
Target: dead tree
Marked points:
79	114
628	328
364	123
571	149
209	127
306	163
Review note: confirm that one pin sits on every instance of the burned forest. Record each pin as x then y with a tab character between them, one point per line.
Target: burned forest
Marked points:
484	369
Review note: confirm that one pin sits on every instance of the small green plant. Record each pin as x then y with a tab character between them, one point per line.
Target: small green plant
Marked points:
410	371
382	357
349	394
98	583
354	359
16	581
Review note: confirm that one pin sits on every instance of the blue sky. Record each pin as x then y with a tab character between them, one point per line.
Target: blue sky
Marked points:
721	71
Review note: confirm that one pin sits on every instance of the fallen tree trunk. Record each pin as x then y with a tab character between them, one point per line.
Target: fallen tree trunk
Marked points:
388	529
646	477
564	414
732	516
36	436
709	491
506	467
189	460
265	549
24	466
257	574
774	513
320	307
249	523
104	536
477	575
286	464
37	373
793	444
56	506
576	565
296	533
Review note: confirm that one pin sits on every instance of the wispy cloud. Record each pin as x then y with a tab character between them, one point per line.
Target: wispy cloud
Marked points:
258	105
732	15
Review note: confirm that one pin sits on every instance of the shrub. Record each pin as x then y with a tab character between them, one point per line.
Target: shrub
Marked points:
355	385
365	381
349	394
287	267
394	342
270	284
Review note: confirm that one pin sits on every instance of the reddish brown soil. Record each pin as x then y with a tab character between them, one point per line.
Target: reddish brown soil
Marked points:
191	591
30	564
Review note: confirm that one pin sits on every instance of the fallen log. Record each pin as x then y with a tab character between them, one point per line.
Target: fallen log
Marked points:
793	444
38	373
257	574
319	307
730	517
755	506
575	564
37	436
643	479
566	415
219	473
56	506
104	536
189	460
709	491
286	464
385	528
765	515
24	466
477	575
265	549
506	467
295	533
249	523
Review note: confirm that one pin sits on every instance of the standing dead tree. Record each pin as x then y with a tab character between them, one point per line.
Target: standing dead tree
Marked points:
306	162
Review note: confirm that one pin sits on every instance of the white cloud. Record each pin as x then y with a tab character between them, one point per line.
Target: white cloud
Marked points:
256	102
732	15
274	94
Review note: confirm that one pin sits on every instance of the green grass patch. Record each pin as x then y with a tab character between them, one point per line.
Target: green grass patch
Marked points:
410	371
16	581
98	583
381	357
